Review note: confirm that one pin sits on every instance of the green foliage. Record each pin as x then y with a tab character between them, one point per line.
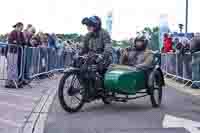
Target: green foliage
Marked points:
3	38
147	30
154	37
74	37
121	44
155	29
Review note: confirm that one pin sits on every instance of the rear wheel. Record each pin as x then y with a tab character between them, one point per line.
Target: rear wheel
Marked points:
70	92
155	86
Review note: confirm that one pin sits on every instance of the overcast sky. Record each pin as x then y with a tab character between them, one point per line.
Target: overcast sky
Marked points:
64	16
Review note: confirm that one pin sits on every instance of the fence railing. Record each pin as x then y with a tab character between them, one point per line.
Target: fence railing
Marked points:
18	63
40	61
185	67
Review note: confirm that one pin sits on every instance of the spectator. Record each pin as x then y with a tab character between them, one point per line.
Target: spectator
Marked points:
28	27
195	47
195	44
16	36
28	33
14	55
186	45
59	44
168	46
35	41
175	43
179	47
52	41
44	40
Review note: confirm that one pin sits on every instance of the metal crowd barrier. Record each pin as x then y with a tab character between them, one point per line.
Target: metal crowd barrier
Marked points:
41	61
11	57
182	67
18	63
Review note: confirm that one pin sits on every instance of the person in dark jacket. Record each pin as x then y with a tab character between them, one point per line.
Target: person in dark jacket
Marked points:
17	36
195	44
195	49
28	34
51	40
97	39
16	42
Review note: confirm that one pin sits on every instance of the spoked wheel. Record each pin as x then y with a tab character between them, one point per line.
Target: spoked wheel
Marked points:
70	92
155	89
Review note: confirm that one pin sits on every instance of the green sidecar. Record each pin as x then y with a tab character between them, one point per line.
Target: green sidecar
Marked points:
133	83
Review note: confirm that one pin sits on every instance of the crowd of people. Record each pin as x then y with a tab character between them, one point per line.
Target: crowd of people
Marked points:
29	38
180	44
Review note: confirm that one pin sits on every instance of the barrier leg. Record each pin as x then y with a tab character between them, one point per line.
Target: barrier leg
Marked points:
15	84
186	83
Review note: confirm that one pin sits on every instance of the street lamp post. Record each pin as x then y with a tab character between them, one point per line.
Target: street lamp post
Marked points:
186	17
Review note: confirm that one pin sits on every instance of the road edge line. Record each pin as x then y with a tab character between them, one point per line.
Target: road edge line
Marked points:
40	125
181	88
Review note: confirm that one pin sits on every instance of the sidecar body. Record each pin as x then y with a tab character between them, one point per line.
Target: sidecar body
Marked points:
124	79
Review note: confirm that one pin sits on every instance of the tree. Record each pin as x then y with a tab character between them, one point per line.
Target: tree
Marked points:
153	34
148	30
155	29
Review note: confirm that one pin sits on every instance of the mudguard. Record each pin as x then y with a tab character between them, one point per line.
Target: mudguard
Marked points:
157	68
163	79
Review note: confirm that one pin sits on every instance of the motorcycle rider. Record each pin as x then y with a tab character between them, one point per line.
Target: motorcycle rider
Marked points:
138	55
97	39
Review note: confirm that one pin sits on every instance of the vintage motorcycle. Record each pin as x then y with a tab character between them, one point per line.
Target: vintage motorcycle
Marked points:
87	81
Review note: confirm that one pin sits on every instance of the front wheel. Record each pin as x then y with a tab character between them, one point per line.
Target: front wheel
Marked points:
155	89
70	92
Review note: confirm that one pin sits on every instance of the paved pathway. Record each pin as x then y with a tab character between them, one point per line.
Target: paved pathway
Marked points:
17	106
133	117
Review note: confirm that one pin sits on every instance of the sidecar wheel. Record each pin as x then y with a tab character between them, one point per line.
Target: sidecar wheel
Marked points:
155	89
71	90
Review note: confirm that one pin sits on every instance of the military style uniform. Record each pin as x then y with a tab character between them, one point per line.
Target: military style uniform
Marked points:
99	42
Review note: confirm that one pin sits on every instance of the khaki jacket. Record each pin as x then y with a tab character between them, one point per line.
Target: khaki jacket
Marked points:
137	58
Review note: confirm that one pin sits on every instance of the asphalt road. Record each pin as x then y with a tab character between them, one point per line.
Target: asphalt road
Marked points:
136	116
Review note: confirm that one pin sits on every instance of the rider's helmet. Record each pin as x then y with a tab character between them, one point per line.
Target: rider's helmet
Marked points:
93	21
141	43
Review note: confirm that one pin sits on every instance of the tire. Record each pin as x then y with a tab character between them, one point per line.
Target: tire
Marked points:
155	86
61	94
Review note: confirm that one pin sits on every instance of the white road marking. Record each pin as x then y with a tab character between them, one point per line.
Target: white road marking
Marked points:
16	106
176	122
19	95
10	122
